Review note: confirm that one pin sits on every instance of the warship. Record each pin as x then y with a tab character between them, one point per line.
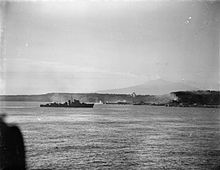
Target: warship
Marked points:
75	103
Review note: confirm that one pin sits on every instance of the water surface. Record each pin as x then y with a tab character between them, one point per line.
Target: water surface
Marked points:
117	137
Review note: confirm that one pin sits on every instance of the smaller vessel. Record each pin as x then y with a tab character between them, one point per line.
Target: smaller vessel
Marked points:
75	103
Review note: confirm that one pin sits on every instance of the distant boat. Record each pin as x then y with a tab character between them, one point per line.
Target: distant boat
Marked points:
100	102
75	103
124	102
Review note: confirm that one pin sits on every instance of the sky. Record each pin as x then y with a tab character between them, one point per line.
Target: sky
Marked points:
87	46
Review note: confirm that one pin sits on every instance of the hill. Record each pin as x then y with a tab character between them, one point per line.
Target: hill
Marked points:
88	97
180	98
197	98
154	87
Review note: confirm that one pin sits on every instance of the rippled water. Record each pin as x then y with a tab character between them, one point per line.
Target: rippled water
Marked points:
118	137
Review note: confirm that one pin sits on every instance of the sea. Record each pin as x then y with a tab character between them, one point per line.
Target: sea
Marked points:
117	136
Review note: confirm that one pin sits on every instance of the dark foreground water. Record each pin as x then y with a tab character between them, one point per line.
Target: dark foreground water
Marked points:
118	137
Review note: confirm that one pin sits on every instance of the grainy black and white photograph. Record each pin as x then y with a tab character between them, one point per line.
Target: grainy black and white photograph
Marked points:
109	84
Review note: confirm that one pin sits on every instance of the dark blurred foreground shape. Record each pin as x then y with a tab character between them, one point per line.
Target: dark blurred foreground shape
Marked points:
12	150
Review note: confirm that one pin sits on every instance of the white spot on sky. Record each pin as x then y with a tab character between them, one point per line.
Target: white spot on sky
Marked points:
26	45
188	21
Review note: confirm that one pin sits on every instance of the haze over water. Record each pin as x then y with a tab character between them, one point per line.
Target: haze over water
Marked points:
117	137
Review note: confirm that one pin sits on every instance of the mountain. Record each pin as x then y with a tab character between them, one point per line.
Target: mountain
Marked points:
154	87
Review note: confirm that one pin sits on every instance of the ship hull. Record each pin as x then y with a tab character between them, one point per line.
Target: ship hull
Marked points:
74	106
